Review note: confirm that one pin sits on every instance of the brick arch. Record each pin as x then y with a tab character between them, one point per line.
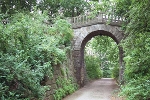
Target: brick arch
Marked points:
82	36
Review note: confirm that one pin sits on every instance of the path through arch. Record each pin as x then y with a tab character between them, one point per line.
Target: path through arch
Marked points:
102	89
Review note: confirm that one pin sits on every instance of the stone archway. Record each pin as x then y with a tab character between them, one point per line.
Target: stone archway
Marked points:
82	36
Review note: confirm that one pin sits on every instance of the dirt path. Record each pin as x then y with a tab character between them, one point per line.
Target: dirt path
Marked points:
102	89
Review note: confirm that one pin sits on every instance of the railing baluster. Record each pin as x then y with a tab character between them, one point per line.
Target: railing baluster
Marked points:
83	20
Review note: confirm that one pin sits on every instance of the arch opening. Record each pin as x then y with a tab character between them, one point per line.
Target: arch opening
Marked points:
101	58
80	70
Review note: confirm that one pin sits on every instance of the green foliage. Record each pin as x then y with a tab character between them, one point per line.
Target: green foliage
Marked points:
66	87
122	7
115	72
107	52
137	89
93	67
106	69
136	46
28	50
105	6
67	8
50	5
21	81
137	61
64	32
11	6
74	8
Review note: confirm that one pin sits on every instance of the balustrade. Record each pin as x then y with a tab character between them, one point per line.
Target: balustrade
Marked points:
101	18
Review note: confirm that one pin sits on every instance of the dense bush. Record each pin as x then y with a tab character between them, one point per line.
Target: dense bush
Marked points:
93	67
137	61
28	50
137	89
137	48
137	68
115	72
65	87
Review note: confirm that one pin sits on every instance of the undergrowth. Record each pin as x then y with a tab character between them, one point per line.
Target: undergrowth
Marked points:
29	48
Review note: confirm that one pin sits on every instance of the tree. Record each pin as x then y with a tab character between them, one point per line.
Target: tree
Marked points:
10	6
52	6
72	8
68	8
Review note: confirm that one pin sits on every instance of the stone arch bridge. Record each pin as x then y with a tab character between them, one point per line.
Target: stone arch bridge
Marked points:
85	28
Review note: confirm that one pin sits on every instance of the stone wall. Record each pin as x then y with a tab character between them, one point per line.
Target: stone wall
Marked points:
57	72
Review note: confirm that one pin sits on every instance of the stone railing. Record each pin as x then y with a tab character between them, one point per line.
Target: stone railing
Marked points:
101	18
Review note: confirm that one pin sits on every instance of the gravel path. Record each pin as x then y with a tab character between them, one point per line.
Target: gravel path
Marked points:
102	89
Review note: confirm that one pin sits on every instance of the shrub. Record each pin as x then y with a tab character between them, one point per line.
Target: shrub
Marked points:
28	50
137	89
65	87
115	72
93	67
